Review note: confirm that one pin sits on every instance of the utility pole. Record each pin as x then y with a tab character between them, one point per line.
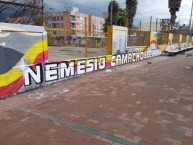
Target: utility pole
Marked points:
43	15
111	12
190	23
150	22
86	43
156	24
140	25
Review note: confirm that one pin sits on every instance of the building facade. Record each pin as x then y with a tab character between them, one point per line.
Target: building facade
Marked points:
74	22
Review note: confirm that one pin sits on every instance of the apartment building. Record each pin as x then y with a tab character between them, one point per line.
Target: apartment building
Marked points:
72	20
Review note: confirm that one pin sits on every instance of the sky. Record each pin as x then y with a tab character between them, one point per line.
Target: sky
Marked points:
146	8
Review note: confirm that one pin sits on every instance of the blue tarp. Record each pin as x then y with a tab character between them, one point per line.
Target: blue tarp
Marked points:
191	33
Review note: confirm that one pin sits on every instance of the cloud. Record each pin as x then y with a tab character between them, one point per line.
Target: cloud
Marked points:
146	8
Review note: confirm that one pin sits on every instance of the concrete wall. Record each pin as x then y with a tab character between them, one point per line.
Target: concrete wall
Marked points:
24	58
20	46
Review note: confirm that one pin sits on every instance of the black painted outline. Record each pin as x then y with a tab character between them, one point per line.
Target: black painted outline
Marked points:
41	75
125	54
131	57
99	62
67	64
96	63
81	69
115	61
91	63
51	69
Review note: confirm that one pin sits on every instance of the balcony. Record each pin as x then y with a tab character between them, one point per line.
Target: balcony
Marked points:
73	28
73	20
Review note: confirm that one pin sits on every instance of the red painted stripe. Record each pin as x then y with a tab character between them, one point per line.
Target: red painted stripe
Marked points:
12	88
145	49
154	42
42	57
108	64
15	86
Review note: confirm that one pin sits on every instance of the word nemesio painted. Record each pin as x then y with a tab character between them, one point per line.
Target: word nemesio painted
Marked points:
50	72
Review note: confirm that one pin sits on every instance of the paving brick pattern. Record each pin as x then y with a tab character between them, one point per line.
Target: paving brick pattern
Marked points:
135	104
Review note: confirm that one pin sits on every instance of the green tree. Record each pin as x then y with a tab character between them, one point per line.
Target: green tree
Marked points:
122	17
115	11
131	8
174	6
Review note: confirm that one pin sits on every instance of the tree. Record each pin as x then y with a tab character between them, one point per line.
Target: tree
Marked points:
121	20
174	6
21	11
131	8
115	11
122	17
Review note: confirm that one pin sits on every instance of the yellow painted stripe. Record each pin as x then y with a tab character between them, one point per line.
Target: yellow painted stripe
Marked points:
35	50
153	38
141	49
15	73
9	77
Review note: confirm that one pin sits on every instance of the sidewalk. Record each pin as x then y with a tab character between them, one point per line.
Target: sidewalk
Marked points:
136	104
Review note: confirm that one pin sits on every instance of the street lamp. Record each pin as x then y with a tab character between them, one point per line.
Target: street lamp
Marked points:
190	23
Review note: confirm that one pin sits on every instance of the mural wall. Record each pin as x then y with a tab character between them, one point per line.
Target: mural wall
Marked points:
20	47
55	71
24	61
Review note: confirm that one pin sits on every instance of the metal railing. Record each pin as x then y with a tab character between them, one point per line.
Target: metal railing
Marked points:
176	38
138	38
162	38
72	44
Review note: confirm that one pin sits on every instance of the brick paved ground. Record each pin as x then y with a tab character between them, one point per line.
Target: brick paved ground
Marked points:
136	104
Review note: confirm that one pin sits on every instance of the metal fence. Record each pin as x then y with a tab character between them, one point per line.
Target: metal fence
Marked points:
184	38
73	44
176	38
162	38
138	38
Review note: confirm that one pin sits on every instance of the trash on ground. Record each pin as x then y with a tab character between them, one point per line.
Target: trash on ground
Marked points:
108	70
189	54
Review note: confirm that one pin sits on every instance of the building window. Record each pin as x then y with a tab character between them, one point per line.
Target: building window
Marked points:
58	18
54	25
53	18
61	18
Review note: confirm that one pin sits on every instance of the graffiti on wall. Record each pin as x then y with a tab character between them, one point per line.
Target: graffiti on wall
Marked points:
24	58
51	72
19	46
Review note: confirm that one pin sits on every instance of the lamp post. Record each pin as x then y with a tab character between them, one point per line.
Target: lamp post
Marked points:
150	22
43	14
190	23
